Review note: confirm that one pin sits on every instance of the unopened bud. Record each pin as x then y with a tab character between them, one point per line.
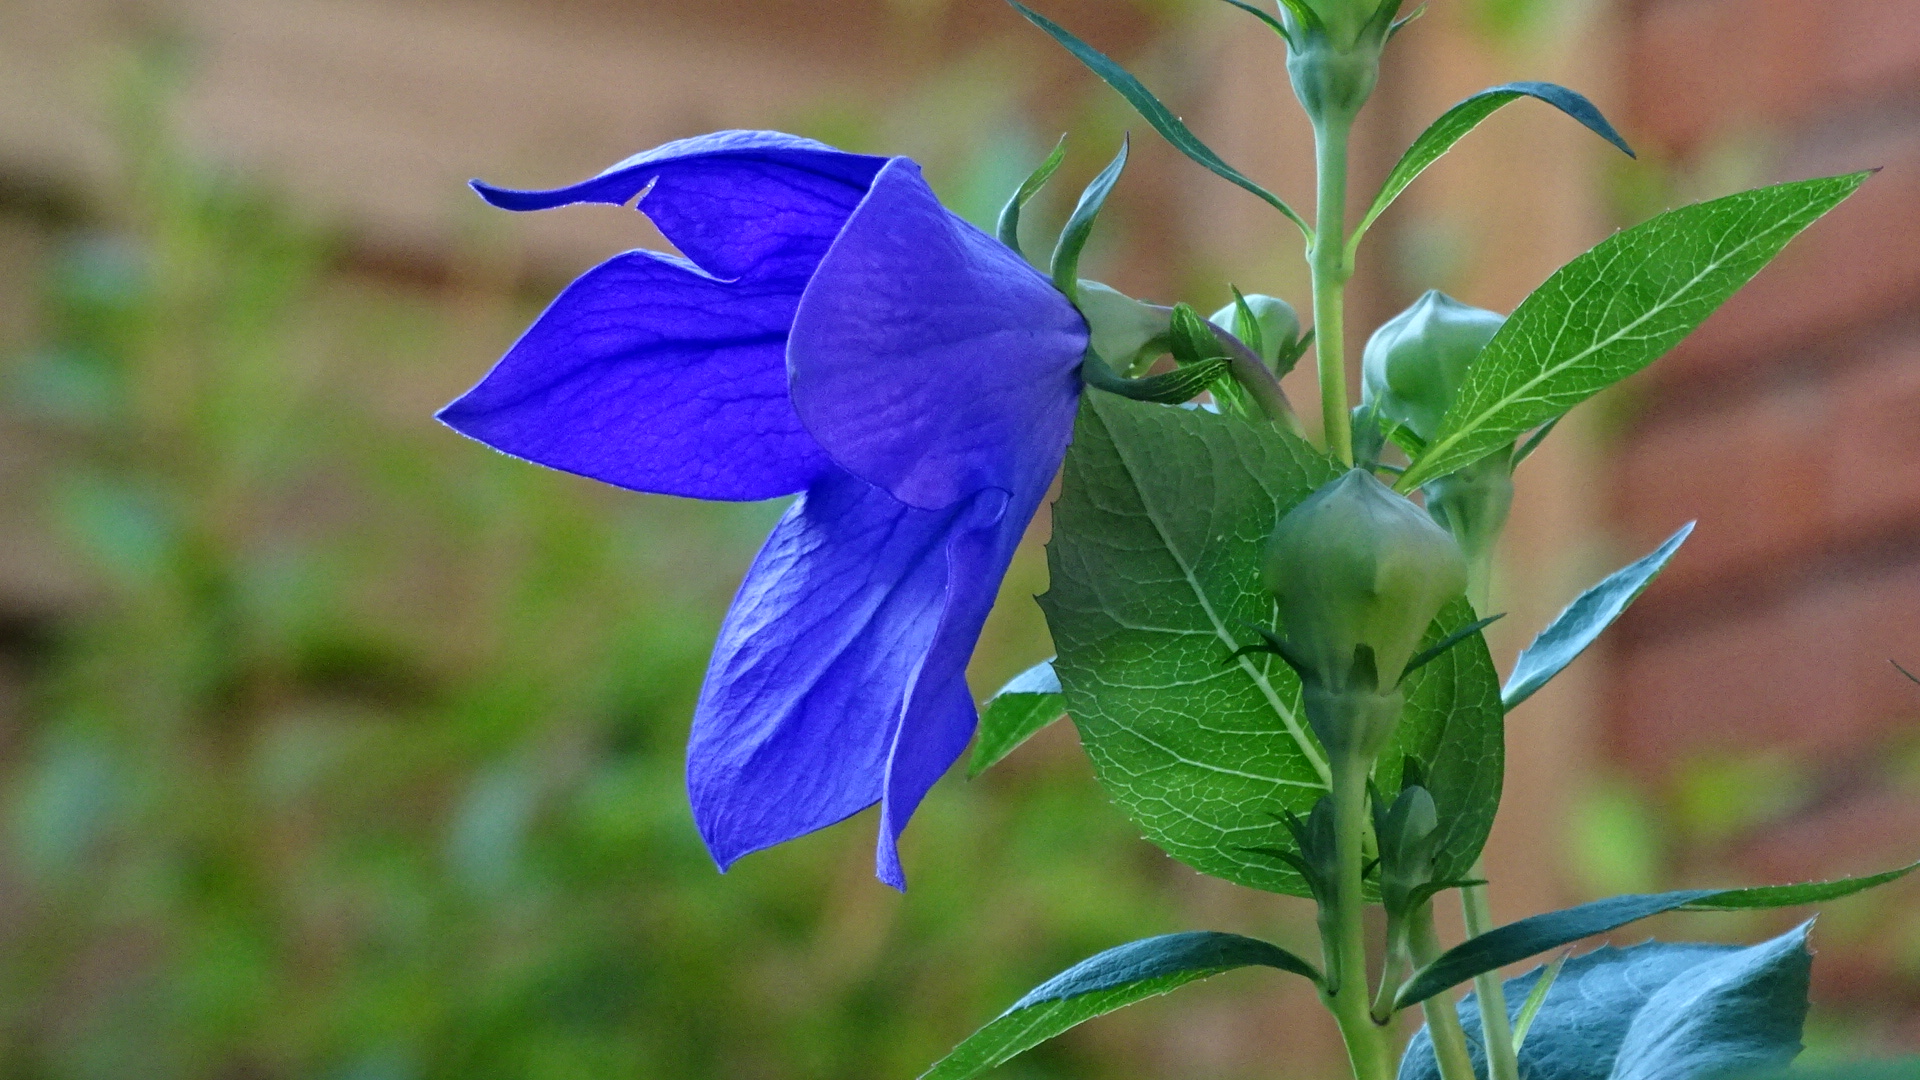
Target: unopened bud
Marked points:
1275	329
1360	573
1122	330
1414	364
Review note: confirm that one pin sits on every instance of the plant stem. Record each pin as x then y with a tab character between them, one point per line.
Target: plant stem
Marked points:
1330	273
1443	1020
1367	1047
1502	1062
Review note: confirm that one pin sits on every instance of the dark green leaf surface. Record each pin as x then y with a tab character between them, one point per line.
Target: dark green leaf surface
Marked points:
1739	1012
1159	116
1614	310
1111	980
1029	702
1585	1015
1456	122
1530	936
1155	560
1585	619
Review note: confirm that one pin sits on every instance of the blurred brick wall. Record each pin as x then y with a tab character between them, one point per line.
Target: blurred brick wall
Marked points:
1789	425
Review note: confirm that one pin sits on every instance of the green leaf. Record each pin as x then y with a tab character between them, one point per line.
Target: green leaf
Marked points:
1029	702
1008	228
1167	388
1456	122
1111	980
1536	997
1158	539
1614	310
1159	116
1733	1013
1592	612
1519	940
1272	23
1079	227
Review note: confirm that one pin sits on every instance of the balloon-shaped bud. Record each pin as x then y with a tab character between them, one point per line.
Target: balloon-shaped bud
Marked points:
1360	573
1274	331
1333	53
1414	364
1408	832
1122	330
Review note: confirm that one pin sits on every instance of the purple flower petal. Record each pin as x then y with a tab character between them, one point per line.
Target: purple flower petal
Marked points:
804	693
647	374
734	202
930	360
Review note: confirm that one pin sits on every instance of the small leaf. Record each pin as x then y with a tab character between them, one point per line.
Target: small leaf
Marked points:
1168	388
1432	652
1518	940
1009	226
1029	702
1111	980
1585	619
1614	310
1159	116
1530	1008
1733	1013
1079	228
1272	23
1534	440
1456	122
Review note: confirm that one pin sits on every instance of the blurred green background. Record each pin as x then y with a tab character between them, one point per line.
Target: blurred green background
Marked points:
334	746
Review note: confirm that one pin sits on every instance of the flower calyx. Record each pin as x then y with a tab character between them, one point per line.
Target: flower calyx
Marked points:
1359	574
1333	52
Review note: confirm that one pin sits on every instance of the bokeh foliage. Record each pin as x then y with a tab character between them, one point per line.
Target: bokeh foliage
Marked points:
358	755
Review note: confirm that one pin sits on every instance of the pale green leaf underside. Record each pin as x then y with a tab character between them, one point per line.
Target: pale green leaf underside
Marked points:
1155	564
1614	310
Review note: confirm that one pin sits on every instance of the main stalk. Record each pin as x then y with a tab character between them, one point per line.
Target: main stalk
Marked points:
1330	274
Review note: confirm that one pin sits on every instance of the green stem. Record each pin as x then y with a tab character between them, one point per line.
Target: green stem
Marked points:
1503	1063
1330	273
1367	1048
1443	1020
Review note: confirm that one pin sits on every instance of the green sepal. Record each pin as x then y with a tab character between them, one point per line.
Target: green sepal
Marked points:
1530	1008
1079	228
1274	24
1431	653
1008	228
1525	449
1172	388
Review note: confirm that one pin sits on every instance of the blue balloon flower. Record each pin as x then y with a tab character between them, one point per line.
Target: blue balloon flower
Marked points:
832	331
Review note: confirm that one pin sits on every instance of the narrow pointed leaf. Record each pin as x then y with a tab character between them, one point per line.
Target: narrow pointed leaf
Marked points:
1518	940
1159	116
1530	1008
1534	440
1614	310
1079	228
1008	228
1272	23
1456	122
1592	612
1029	702
1111	980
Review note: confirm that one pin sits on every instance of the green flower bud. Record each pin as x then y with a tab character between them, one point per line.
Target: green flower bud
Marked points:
1277	324
1408	832
1123	330
1360	573
1414	364
1333	59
